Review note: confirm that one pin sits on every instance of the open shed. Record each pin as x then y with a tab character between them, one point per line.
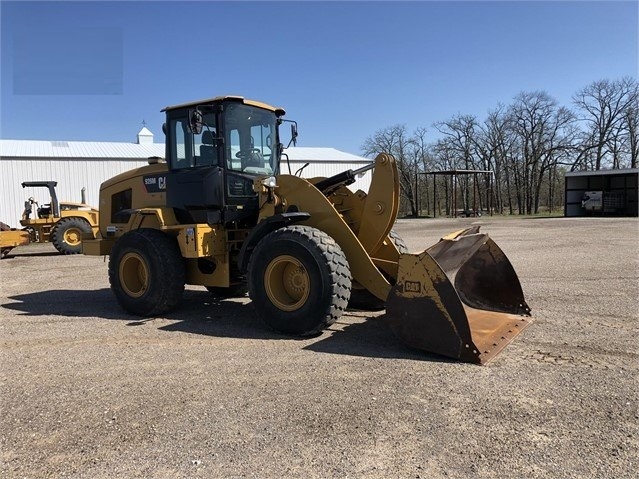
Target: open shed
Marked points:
601	193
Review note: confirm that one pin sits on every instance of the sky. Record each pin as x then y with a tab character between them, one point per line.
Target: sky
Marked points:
95	71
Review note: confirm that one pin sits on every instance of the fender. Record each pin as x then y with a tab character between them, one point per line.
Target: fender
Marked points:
157	218
263	228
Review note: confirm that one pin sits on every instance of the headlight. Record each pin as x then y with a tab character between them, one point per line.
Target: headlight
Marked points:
269	182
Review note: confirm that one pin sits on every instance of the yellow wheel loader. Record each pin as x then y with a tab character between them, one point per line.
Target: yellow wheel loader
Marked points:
220	213
61	223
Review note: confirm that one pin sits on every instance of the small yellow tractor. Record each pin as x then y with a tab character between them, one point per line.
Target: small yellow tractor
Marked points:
220	213
62	224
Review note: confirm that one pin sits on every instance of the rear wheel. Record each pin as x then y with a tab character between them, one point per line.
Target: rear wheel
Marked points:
363	299
67	235
299	280
146	272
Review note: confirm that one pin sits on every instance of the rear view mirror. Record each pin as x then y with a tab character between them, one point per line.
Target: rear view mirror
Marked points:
195	122
293	140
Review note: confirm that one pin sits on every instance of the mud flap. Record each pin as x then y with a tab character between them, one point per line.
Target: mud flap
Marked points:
460	298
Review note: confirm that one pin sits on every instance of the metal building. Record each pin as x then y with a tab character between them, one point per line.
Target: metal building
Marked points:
73	164
325	162
601	193
82	164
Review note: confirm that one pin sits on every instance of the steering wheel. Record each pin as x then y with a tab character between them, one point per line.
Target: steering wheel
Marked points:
247	153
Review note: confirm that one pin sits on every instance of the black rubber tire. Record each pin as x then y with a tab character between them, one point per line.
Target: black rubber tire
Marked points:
326	279
146	272
398	241
66	228
363	299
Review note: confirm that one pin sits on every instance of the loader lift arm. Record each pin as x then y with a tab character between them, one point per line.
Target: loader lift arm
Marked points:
332	183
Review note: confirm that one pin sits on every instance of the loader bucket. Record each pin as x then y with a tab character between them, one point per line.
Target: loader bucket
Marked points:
460	298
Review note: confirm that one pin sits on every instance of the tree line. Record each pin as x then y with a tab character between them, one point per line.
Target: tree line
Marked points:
527	145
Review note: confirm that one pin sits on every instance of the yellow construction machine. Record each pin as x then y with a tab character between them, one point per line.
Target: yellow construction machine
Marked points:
219	213
10	238
61	223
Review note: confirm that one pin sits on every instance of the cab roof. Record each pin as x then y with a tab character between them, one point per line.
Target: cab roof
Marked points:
220	99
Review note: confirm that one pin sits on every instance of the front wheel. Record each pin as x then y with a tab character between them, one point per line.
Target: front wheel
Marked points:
299	280
146	272
67	235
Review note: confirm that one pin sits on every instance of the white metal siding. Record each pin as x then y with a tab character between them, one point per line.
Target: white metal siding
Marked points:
78	149
71	174
75	165
74	174
327	162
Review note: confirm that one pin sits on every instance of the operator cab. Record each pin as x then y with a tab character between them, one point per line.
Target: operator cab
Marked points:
215	149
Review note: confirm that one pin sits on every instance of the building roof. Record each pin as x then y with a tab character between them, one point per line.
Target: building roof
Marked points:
78	149
145	132
104	150
622	171
319	155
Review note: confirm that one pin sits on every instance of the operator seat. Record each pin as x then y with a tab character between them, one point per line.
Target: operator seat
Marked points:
44	211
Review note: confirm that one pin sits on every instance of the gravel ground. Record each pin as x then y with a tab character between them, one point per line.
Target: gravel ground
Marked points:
208	391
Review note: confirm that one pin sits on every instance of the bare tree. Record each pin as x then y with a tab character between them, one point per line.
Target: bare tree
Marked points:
422	161
445	158
541	127
602	106
631	122
629	127
495	144
396	141
460	134
528	145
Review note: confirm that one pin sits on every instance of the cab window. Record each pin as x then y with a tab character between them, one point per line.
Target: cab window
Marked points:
191	150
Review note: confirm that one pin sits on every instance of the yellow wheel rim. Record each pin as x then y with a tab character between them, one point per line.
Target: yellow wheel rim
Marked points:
73	236
134	276
287	283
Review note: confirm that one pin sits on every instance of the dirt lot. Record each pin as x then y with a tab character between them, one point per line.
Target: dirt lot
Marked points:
208	391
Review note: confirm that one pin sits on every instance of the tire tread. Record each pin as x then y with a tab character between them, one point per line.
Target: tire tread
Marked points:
171	264
57	235
335	261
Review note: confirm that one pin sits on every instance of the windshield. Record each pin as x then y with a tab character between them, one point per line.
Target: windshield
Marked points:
250	139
